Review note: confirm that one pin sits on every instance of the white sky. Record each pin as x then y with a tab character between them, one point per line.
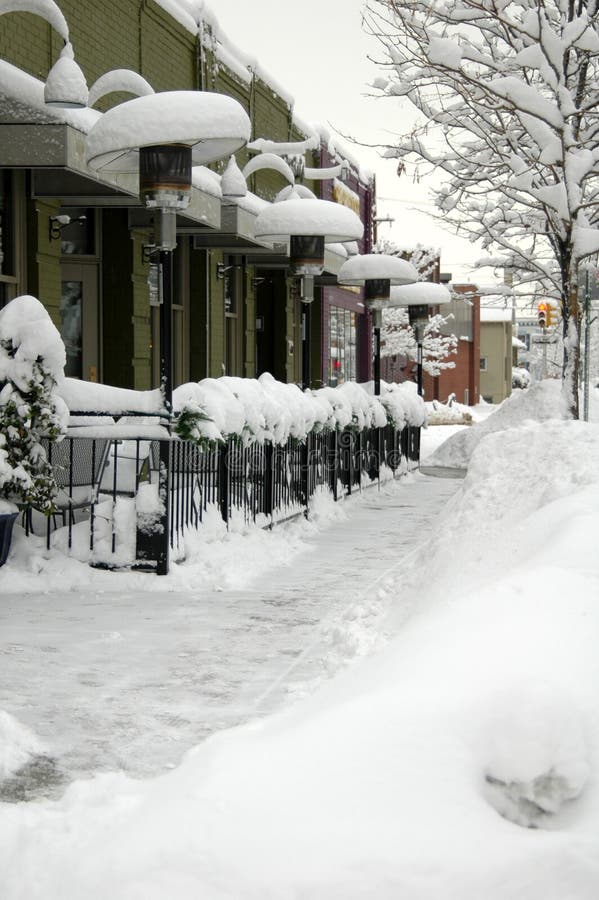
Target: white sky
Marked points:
318	52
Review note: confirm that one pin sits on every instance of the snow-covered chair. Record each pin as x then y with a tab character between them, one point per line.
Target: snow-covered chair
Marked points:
78	464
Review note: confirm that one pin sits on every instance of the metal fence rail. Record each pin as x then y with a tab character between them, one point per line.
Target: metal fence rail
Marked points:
157	489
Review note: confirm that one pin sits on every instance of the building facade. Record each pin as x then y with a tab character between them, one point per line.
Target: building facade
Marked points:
235	310
496	353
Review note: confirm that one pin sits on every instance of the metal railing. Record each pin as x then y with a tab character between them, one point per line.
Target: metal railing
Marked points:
130	502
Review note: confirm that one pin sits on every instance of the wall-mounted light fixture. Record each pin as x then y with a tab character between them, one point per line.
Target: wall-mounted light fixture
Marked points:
65	85
57	223
222	269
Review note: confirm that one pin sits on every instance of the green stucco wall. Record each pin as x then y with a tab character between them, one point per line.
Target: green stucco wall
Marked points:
140	35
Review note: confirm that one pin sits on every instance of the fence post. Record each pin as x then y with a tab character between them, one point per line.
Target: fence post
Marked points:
153	543
267	499
333	459
223	480
306	463
417	435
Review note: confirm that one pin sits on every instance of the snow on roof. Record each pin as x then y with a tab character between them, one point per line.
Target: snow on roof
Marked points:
289	148
495	314
338	150
206	180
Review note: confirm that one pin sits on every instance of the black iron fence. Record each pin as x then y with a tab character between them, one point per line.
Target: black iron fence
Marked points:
129	501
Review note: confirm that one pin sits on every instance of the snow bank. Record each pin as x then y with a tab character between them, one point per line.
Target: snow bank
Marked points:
419	772
540	402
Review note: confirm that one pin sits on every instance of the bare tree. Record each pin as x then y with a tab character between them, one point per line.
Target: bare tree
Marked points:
508	94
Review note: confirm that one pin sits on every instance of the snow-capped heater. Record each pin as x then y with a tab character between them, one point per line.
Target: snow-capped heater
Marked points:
308	225
377	289
306	254
165	176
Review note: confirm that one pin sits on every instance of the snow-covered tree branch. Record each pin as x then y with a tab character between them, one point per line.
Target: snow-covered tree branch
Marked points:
398	339
508	94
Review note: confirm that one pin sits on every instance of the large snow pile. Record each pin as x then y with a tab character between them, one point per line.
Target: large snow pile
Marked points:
461	761
540	402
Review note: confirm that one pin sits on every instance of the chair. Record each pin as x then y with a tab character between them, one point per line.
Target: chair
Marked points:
78	464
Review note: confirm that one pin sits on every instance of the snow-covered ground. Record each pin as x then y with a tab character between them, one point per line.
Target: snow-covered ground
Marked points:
457	757
131	679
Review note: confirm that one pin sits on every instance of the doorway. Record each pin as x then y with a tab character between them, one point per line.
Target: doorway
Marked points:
79	319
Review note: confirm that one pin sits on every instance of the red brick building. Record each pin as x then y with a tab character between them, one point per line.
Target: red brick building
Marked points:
464	379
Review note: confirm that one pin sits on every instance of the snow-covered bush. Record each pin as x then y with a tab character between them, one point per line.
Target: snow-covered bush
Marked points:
32	359
265	410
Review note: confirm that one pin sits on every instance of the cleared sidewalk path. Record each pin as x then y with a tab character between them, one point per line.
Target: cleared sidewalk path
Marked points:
131	681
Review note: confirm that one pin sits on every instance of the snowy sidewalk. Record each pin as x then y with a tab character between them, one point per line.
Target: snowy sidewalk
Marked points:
132	680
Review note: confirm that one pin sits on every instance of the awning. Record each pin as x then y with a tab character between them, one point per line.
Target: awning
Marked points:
55	153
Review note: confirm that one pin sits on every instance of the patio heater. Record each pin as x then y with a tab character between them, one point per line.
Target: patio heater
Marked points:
418	298
307	224
377	272
160	137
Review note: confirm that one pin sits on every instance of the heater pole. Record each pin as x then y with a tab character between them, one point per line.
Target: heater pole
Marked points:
377	361
166	329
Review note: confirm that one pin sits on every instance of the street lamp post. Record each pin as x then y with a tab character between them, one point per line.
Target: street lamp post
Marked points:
160	137
377	272
307	224
418	298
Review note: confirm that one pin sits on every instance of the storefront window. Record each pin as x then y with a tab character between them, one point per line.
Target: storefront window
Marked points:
342	344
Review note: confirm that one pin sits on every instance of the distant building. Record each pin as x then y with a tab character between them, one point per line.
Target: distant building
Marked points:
496	350
463	316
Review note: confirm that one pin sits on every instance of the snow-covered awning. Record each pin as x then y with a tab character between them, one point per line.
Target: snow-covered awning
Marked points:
52	144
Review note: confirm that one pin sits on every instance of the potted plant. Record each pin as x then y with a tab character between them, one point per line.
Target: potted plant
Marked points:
32	359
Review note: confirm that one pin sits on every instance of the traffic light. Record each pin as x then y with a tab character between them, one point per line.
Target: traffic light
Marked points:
551	315
543	315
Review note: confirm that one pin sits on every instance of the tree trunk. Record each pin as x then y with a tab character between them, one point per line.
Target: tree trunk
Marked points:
571	368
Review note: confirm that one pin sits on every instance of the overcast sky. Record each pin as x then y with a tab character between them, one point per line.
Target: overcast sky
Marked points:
318	51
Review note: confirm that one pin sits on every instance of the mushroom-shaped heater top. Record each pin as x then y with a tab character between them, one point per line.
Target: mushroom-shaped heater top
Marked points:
417	298
332	221
376	267
424	293
211	125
